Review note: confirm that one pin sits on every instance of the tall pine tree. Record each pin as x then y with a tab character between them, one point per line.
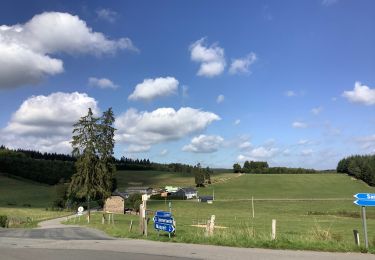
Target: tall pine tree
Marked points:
93	142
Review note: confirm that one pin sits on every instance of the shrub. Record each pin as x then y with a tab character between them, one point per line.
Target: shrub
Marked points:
3	221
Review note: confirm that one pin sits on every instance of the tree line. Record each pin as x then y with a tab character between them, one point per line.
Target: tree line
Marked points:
359	166
263	168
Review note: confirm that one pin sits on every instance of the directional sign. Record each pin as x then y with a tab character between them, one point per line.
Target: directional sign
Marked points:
162	220
365	203
365	196
163	214
164	227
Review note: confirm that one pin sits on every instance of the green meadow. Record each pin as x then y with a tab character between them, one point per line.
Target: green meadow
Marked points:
25	202
314	212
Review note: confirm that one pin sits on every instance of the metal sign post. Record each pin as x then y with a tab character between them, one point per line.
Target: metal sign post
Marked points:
365	200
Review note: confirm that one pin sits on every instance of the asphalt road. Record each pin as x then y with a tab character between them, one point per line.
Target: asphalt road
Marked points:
56	241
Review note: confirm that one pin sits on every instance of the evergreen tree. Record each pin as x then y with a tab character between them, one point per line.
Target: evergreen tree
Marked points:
93	147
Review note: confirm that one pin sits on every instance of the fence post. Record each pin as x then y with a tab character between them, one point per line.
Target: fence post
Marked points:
273	234
356	237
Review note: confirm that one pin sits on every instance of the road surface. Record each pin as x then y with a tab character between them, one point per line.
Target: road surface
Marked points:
55	241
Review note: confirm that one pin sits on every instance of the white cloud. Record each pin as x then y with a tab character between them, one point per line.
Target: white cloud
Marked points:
304	142
242	65
46	122
317	110
237	121
153	88
204	144
307	152
329	2
160	125
367	142
290	93
135	148
220	99
211	58
259	153
26	49
298	124
163	152
102	83
107	15
245	145
361	94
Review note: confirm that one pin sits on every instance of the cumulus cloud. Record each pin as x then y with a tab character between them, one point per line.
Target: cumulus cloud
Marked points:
153	88
265	152
102	83
242	65
361	94
163	152
45	122
329	2
211	58
367	142
204	144
317	110
237	121
298	124
26	49
220	99
245	145
307	152
107	15
160	125
134	148
304	142
290	93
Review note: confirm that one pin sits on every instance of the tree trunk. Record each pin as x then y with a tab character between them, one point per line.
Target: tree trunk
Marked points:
88	209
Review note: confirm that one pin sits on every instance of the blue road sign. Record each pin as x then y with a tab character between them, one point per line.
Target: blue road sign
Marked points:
365	203
164	227
163	214
365	196
162	220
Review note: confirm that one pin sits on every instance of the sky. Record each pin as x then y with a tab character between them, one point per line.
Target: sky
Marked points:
212	82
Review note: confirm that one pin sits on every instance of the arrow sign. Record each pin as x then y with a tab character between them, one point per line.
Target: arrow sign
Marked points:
365	196
365	203
162	220
163	214
164	227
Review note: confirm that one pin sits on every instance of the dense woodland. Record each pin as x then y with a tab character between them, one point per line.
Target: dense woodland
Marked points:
263	168
359	166
52	168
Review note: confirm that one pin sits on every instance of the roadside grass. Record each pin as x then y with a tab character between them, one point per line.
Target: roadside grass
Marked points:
25	202
325	224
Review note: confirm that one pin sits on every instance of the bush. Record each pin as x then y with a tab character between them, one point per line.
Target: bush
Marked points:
3	221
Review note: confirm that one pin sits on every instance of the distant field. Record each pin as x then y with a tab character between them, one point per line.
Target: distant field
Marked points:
25	200
323	224
288	186
160	179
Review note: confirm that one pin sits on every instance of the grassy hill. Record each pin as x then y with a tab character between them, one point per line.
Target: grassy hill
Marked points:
313	211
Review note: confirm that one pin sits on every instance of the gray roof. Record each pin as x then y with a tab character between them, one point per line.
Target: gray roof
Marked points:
123	195
189	189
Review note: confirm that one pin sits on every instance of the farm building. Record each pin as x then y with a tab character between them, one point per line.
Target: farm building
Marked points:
141	190
208	199
116	203
186	193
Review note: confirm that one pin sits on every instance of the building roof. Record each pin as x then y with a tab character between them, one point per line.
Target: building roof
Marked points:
138	188
123	195
189	189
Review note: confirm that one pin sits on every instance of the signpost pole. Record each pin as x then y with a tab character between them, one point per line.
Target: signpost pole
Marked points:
365	226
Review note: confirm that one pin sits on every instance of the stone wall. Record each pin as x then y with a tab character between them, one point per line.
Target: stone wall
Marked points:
114	204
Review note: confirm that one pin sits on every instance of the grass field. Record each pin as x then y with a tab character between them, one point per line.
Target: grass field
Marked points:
157	179
25	202
312	211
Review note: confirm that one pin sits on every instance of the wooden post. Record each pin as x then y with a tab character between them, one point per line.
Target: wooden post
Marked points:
356	237
212	225
113	218
109	218
252	206
103	218
131	226
141	223
273	234
365	226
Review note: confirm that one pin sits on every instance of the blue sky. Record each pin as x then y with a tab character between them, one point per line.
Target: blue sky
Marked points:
215	82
